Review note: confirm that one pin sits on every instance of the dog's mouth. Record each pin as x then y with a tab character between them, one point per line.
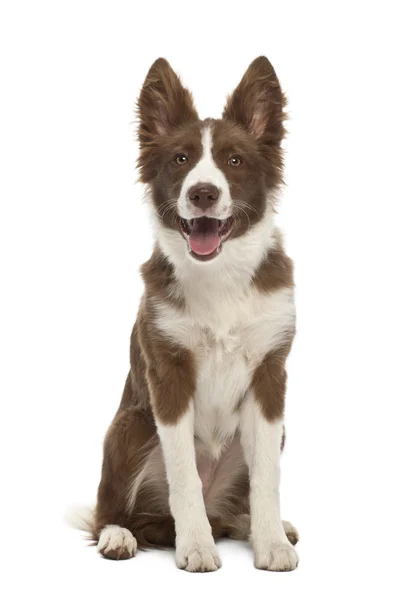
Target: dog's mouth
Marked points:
205	235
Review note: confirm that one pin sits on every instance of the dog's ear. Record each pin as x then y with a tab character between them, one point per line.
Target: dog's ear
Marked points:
258	103
163	103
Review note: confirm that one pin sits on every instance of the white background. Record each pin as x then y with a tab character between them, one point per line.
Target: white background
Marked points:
74	230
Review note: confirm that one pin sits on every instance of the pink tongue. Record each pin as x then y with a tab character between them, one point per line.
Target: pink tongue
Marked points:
204	238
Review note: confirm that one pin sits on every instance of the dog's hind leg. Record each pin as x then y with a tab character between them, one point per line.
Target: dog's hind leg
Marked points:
130	439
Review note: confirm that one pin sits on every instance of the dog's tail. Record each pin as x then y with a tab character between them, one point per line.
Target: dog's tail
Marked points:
150	530
80	517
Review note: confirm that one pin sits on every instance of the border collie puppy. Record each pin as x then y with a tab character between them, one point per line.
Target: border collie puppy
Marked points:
193	451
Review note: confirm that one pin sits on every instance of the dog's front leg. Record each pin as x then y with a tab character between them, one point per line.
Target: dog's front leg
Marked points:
195	547
171	382
261	426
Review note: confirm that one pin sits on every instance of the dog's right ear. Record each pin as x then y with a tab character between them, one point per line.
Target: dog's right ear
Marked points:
163	103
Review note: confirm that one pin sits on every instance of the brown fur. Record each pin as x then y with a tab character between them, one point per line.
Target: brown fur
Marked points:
269	383
159	278
275	272
171	373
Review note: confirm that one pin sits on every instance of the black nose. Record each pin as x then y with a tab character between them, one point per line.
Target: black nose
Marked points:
203	195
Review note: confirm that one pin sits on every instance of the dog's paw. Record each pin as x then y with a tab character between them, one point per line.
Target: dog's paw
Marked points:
116	543
276	557
198	556
291	532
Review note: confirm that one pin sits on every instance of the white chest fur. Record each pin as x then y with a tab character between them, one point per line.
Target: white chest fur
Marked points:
229	334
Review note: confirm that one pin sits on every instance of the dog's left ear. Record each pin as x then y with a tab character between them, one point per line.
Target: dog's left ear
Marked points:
258	103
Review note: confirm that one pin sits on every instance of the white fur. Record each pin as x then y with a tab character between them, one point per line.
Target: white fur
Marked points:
261	443
206	171
79	517
116	539
195	547
151	472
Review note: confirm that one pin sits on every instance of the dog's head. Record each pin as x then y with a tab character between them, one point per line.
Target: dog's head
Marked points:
210	180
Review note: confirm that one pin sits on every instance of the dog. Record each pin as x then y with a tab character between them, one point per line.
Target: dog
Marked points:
193	452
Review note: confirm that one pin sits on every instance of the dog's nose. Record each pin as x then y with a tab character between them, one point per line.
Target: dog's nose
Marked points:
203	195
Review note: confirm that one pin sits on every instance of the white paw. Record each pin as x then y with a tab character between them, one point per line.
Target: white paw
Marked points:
116	543
276	556
197	556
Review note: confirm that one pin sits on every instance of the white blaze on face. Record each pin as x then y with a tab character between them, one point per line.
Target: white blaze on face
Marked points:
206	171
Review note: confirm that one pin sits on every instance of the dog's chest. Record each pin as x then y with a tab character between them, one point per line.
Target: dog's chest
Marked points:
229	337
223	377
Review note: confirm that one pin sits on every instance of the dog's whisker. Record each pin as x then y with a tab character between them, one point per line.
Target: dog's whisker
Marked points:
169	206
248	218
243	204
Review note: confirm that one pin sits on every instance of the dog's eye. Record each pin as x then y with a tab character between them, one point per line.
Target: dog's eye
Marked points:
181	159
235	161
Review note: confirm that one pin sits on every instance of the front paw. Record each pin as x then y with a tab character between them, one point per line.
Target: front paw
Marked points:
197	556
276	556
